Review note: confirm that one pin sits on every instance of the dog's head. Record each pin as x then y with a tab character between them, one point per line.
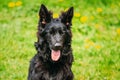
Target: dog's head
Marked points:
55	31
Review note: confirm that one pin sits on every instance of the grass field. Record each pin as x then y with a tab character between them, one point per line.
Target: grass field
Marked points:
95	43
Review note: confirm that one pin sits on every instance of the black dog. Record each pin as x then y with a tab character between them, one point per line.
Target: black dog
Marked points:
54	56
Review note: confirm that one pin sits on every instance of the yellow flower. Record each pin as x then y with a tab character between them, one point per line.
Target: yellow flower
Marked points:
55	15
83	19
11	4
66	9
118	31
91	43
77	14
38	16
97	26
97	46
92	17
18	3
87	46
113	6
60	0
99	10
87	40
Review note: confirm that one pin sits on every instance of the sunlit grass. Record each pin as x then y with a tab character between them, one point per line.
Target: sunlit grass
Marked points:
95	42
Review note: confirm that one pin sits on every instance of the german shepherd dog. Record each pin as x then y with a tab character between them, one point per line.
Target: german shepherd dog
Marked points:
54	57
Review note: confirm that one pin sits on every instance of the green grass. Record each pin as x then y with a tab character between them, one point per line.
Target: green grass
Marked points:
95	43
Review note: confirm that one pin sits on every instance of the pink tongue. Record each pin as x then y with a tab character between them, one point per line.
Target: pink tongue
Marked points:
55	55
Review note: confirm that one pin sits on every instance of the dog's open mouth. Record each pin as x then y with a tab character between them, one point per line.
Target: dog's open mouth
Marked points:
55	55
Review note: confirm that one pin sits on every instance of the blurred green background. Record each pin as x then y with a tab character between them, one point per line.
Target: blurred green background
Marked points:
95	43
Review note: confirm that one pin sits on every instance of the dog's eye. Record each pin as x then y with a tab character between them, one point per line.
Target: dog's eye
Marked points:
52	32
60	32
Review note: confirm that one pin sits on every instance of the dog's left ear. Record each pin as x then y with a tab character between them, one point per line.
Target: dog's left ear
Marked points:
67	16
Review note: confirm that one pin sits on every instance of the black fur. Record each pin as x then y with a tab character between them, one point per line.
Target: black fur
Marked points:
53	34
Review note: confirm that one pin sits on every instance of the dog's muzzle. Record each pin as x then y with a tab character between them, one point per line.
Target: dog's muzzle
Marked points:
56	52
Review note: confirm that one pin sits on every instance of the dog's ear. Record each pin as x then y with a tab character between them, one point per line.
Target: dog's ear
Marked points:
67	16
45	15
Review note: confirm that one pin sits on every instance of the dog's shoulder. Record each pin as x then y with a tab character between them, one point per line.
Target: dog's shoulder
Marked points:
35	60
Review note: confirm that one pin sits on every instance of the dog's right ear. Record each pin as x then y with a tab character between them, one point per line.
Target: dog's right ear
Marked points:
44	14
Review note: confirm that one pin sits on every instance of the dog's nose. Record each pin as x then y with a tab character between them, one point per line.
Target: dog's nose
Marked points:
58	46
